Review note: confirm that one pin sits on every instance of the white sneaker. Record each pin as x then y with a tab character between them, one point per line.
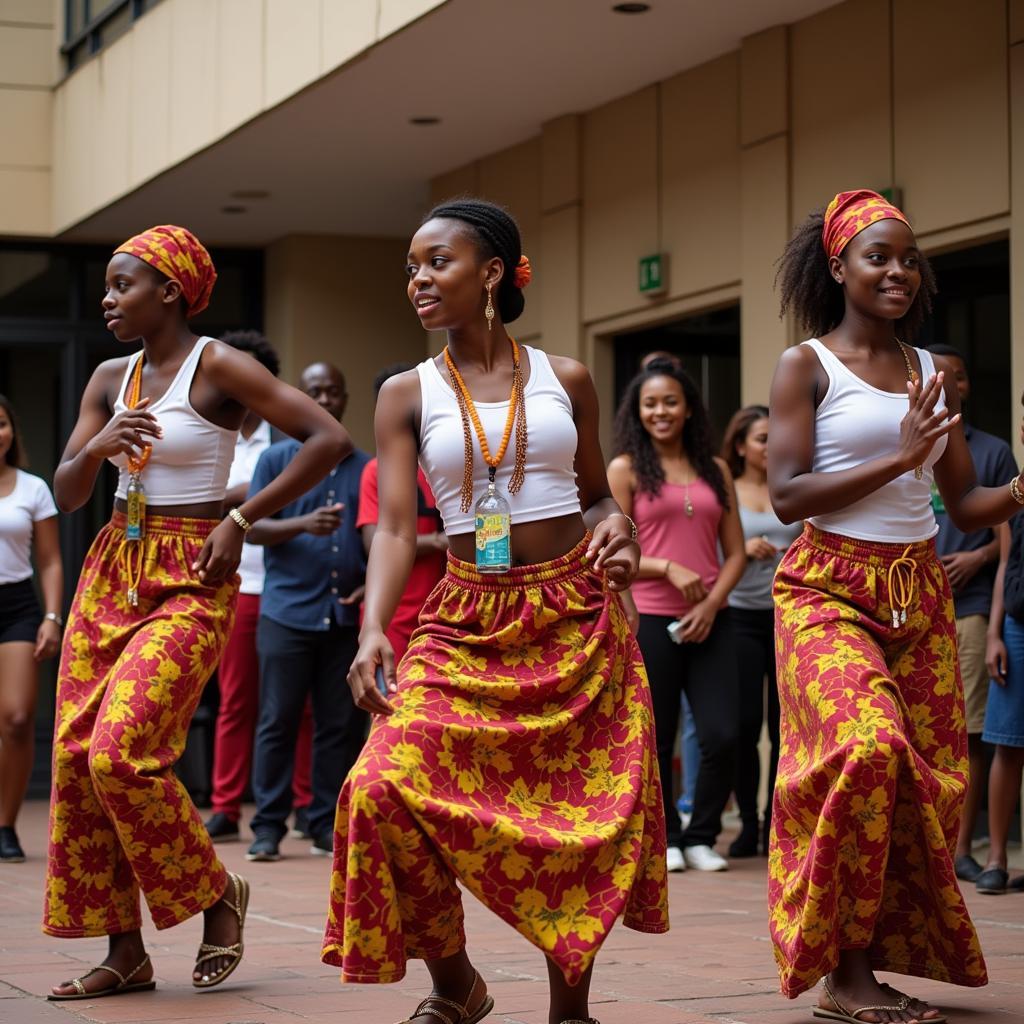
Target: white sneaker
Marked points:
674	859
703	858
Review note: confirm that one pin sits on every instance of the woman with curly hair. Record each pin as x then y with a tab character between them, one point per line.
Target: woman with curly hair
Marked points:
512	749
666	476
873	740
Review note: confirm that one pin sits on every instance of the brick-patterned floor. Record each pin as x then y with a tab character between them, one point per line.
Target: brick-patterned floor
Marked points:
715	965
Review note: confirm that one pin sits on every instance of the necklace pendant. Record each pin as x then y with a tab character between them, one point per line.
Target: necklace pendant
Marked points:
135	498
688	508
918	472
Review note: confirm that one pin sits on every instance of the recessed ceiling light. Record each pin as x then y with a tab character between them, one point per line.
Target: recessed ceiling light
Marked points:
234	209
631	8
424	120
250	193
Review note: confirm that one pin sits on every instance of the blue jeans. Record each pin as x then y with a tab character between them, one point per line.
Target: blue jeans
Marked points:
691	759
294	663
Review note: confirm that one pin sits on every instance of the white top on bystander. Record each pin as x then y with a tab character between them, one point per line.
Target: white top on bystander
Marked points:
27	504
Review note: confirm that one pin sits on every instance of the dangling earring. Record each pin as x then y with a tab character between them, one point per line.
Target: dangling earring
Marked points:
489	309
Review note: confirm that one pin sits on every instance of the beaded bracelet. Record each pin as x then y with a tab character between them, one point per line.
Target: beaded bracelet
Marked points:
240	520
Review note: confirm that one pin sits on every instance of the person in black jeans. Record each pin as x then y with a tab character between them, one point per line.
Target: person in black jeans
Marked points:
307	634
682	499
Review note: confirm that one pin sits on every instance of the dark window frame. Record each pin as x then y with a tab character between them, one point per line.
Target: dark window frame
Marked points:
79	46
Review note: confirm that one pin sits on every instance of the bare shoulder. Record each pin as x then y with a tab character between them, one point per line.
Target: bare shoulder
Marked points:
798	359
568	370
107	377
401	388
621	464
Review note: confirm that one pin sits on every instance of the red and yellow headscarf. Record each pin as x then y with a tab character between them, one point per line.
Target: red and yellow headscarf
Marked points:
179	255
850	213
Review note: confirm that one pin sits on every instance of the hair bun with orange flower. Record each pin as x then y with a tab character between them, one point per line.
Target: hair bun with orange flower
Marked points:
523	273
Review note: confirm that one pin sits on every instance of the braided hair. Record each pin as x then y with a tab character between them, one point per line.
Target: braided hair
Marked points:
816	299
496	234
632	439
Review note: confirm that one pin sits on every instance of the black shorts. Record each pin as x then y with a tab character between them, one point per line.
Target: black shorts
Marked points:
20	613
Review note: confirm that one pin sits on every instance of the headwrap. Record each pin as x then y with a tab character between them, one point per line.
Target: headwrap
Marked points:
523	273
850	213
179	255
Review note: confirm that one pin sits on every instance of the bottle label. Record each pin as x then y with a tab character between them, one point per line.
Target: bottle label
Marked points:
938	505
493	537
135	528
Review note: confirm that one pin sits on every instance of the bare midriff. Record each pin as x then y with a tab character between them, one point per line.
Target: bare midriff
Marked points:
539	541
201	510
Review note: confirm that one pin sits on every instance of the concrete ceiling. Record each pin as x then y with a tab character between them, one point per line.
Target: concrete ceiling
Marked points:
341	156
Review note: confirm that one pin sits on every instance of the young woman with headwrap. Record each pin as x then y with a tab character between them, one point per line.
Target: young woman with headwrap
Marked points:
152	613
512	749
873	740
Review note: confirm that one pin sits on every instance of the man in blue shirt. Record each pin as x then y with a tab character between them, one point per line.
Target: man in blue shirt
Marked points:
971	560
307	633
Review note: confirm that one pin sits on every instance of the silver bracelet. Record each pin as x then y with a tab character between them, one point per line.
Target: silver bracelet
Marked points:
54	617
632	525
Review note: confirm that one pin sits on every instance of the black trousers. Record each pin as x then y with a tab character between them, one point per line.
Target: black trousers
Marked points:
294	663
707	673
755	645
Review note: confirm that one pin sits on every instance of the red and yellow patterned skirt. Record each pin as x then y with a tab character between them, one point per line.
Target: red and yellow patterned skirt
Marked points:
873	766
129	682
520	761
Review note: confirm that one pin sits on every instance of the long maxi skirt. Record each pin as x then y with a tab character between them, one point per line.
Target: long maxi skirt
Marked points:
873	767
520	762
128	685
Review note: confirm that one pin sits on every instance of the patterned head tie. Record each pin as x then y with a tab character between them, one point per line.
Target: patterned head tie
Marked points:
179	255
850	213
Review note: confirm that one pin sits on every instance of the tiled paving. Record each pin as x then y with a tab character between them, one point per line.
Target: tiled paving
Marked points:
714	966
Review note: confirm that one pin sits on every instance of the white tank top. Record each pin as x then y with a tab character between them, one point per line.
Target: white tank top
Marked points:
549	489
190	463
856	423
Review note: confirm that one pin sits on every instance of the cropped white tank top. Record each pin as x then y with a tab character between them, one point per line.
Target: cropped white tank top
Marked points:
190	463
856	423
549	488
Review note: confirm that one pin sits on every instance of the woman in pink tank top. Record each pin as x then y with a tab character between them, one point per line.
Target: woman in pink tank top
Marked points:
681	497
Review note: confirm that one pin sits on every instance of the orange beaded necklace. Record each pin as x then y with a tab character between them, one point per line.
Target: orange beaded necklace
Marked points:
516	416
136	464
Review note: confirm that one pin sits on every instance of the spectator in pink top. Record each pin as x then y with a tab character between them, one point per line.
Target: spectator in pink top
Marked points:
682	498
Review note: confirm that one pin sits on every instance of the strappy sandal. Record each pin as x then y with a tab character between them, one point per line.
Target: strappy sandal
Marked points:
464	1016
208	951
841	1013
124	984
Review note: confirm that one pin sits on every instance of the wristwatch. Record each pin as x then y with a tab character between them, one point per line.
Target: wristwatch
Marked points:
54	617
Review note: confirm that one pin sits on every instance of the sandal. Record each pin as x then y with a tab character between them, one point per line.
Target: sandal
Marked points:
464	1016
841	1013
940	1019
124	984
208	951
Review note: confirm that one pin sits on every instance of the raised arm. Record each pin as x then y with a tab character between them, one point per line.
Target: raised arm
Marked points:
796	491
99	435
394	541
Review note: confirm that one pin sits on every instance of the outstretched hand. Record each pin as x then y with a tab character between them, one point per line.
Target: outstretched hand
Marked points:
923	425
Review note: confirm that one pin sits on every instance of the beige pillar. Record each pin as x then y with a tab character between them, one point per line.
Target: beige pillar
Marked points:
764	204
341	300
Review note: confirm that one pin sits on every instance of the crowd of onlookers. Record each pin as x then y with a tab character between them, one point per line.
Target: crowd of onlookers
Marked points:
701	607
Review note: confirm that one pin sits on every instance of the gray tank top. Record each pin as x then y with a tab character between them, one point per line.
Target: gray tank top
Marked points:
754	589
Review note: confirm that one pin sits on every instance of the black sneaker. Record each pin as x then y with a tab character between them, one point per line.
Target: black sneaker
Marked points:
967	868
222	829
300	827
10	849
323	846
992	881
264	847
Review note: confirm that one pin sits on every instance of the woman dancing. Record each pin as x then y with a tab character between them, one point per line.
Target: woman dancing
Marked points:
152	613
873	740
513	748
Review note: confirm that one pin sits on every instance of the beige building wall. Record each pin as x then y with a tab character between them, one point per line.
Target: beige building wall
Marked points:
29	67
341	300
715	166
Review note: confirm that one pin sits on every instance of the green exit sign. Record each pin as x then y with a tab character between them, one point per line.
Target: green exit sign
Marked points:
652	276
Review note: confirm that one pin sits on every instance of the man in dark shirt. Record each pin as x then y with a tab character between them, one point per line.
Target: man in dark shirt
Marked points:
971	560
307	633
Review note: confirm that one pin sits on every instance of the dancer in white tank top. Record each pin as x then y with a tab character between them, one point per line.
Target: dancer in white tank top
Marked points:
152	612
873	740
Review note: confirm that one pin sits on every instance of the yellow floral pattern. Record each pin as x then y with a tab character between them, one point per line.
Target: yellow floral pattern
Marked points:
129	683
872	768
520	762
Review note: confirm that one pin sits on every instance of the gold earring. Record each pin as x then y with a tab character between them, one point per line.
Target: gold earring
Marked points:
489	309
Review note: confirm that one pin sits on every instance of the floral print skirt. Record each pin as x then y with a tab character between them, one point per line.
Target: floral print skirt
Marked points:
519	762
873	766
129	682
